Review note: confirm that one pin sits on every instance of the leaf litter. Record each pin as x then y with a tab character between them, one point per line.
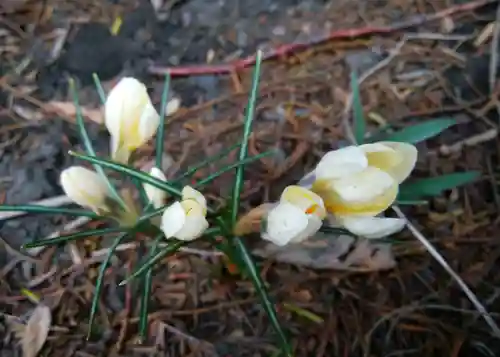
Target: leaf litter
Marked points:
34	333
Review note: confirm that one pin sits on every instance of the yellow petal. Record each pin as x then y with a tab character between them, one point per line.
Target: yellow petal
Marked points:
189	193
306	200
367	193
397	159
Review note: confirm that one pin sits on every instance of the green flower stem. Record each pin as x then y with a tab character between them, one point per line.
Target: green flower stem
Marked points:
99	88
161	129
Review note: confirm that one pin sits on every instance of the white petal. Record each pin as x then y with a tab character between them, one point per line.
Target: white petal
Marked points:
120	98
284	223
155	195
372	227
173	220
189	193
173	106
195	223
409	155
150	120
364	186
340	163
84	187
308	201
313	225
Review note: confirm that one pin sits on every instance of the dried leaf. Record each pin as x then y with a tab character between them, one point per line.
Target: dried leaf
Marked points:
68	109
251	221
34	334
329	251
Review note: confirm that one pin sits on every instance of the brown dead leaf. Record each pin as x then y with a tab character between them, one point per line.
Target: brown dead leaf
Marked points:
68	110
35	332
329	251
251	221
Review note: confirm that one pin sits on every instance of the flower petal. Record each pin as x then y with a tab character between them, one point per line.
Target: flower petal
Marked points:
189	193
195	223
408	154
313	225
366	193
149	122
340	163
284	223
156	195
85	187
372	227
173	219
306	200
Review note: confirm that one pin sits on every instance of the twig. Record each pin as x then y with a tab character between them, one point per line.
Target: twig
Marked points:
494	52
436	255
424	241
288	49
473	140
56	201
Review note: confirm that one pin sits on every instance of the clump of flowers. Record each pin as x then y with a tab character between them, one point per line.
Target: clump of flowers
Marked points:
352	187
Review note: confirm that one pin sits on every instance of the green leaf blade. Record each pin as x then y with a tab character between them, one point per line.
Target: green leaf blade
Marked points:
357	107
72	237
435	186
421	132
160	136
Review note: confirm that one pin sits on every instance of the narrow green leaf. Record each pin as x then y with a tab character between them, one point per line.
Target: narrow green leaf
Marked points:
190	171
88	143
240	247
171	248
421	132
47	210
359	118
336	230
100	280
227	168
146	293
435	186
262	291
129	171
71	237
247	130
161	129
99	88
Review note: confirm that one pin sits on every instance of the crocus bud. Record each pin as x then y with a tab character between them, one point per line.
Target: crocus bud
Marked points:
297	216
156	195
130	118
372	227
186	220
86	188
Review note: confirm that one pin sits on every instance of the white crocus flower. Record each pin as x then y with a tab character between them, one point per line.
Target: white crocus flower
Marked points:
358	183
154	194
130	118
297	216
86	188
186	220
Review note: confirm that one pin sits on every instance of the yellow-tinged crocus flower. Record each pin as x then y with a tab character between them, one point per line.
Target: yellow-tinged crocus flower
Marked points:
86	188
297	216
359	182
156	195
130	118
186	220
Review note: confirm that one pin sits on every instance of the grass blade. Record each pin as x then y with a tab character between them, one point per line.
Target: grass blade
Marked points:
264	296
161	129
421	132
71	237
146	292
129	171
169	249
48	210
88	144
190	171
238	185
99	88
227	168
100	279
357	108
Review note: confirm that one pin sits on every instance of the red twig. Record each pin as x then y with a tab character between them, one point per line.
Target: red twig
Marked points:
284	50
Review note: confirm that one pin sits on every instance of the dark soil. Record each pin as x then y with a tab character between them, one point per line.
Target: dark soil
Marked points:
198	308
